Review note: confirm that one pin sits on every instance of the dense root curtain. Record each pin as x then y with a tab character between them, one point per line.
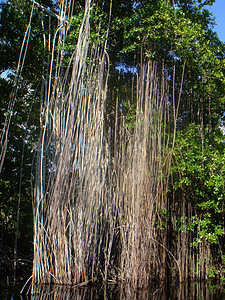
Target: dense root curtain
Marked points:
95	209
142	161
70	202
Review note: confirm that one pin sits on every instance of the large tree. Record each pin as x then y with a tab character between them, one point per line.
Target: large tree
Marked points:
179	36
23	65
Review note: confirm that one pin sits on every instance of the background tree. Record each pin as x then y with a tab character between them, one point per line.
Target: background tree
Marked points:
179	37
22	85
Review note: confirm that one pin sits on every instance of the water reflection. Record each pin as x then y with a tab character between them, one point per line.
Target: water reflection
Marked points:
198	291
109	292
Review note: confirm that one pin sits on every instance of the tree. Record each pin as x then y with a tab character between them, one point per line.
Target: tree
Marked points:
178	36
20	86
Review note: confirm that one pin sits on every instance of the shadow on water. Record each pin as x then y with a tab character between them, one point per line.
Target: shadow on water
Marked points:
198	291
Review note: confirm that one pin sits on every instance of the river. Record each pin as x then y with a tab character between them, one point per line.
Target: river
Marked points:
188	290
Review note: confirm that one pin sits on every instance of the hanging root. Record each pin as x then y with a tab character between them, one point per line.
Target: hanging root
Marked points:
94	207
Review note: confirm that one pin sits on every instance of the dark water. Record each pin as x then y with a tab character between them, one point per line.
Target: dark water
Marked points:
184	291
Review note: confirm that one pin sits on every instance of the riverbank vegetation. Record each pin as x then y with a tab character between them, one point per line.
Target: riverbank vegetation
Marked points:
112	141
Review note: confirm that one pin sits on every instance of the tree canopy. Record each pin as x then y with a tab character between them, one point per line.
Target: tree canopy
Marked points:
177	35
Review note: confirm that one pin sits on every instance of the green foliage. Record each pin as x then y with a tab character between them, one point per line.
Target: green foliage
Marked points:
129	111
213	271
198	172
98	27
24	127
102	26
172	33
163	216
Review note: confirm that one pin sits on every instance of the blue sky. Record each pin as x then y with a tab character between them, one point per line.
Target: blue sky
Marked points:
218	9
